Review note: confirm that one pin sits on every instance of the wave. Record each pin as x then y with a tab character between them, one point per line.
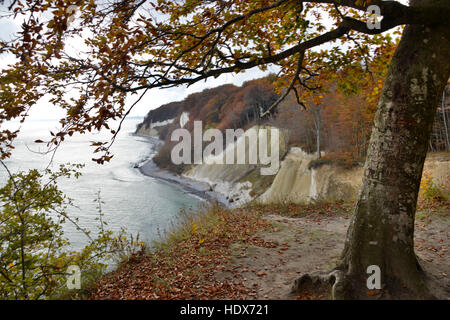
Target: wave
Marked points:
129	171
126	174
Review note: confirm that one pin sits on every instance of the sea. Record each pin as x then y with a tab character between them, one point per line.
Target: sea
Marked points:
143	205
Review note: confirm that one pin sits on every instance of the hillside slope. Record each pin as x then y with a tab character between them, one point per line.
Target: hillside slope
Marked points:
301	178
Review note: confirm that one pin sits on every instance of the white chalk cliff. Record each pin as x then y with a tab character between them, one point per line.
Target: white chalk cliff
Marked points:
237	182
299	178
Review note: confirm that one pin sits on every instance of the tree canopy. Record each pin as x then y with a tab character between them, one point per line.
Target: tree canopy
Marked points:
85	56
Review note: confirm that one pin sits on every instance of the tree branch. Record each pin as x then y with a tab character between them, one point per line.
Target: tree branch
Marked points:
289	89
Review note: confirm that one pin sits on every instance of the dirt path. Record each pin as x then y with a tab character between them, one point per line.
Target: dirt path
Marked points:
298	245
258	252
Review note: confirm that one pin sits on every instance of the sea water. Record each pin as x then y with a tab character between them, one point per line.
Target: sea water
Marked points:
141	204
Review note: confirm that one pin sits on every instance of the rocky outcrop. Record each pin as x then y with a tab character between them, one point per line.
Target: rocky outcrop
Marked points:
152	129
297	179
239	183
299	182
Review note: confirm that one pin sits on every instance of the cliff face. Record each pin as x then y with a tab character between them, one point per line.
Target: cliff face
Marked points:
297	182
158	118
240	183
298	179
223	107
153	129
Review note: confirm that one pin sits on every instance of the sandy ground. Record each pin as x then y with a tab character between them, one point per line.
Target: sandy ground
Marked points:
299	245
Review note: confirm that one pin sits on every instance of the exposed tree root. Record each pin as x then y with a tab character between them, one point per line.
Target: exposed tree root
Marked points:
338	285
334	282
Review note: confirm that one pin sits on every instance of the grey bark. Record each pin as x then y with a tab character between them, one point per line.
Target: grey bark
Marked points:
382	229
444	116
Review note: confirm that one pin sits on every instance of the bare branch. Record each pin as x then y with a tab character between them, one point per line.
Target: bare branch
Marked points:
291	86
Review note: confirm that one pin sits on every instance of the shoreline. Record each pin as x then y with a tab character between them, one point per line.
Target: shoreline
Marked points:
200	189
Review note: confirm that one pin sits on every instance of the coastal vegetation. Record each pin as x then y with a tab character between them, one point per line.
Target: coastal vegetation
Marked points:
36	257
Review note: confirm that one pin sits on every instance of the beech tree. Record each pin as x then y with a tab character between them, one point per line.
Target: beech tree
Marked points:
100	51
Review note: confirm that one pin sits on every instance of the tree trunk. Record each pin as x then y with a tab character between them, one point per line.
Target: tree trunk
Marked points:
382	228
317	124
444	116
318	142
